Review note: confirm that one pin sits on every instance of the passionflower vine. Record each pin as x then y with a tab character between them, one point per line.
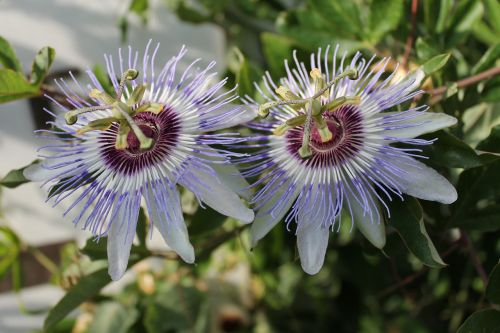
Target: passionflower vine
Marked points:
140	142
328	147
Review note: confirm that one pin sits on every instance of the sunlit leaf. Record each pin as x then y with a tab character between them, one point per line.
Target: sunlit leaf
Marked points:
41	65
276	49
436	63
385	16
8	57
13	85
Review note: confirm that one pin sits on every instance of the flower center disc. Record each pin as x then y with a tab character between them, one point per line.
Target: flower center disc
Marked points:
346	126
150	130
164	128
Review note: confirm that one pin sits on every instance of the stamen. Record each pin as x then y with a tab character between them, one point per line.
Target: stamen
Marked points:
71	117
145	142
122	113
129	75
313	108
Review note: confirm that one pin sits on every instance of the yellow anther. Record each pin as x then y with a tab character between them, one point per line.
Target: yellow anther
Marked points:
286	94
102	96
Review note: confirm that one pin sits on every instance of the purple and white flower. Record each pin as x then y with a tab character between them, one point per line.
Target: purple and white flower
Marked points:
112	152
328	147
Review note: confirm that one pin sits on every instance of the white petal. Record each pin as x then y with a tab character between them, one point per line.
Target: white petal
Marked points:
228	115
217	195
229	174
264	221
423	182
165	212
312	236
36	172
50	168
418	76
430	122
312	242
120	237
372	227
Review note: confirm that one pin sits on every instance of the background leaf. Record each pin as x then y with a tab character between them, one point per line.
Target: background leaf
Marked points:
41	65
407	219
8	57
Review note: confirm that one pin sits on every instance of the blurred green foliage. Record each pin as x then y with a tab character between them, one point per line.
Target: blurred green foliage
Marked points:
432	276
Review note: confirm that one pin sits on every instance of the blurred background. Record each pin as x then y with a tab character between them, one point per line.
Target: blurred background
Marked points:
44	259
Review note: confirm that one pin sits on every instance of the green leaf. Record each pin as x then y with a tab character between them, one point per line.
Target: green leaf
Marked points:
488	59
492	142
185	12
205	220
140	8
15	178
424	49
493	288
384	17
10	247
175	309
246	73
104	79
449	151
88	287
113	317
8	57
13	85
276	49
141	229
343	15
481	184
484	321
483	33
158	318
493	13
444	15
491	92
436	63
407	219
41	65
484	219
96	249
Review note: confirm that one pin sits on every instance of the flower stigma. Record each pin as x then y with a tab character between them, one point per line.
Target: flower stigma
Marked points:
123	111
313	108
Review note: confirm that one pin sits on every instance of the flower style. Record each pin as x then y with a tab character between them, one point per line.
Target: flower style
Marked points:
329	147
112	152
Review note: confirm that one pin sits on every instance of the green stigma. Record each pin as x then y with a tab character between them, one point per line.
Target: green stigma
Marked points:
122	113
312	107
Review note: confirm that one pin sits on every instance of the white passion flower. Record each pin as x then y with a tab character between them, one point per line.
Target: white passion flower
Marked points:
327	147
112	152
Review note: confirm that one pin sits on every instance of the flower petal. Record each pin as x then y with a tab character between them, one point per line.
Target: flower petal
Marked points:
228	173
50	168
422	182
225	116
312	242
424	122
372	228
265	220
213	192
121	235
164	208
312	228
